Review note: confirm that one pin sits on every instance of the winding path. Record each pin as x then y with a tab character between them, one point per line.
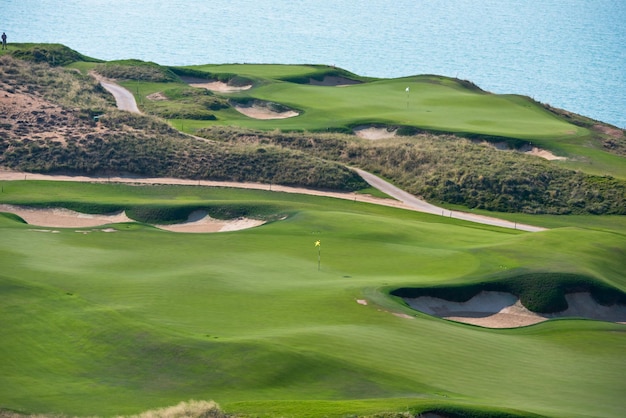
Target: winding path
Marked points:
123	98
126	101
423	206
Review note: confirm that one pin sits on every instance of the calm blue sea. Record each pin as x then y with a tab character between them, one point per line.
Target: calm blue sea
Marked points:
568	53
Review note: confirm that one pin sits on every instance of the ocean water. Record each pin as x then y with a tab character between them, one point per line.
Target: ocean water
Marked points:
567	53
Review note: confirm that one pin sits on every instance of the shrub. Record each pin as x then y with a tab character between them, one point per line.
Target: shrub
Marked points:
52	54
450	169
136	70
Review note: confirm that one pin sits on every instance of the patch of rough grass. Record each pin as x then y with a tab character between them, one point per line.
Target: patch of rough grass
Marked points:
190	409
136	70
195	409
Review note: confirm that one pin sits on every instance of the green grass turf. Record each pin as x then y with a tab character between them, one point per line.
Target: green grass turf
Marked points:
434	103
120	322
265	71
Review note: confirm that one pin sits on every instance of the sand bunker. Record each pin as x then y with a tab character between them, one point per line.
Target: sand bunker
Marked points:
63	218
526	149
538	152
214	85
259	111
198	221
374	133
504	310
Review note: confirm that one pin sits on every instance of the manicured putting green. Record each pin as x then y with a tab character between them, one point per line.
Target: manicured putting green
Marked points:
431	102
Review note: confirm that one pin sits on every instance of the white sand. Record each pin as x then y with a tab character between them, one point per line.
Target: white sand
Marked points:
504	310
538	152
373	133
215	86
527	149
63	218
201	222
262	112
198	222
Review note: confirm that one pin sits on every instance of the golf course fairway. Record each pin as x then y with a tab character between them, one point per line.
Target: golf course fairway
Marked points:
125	317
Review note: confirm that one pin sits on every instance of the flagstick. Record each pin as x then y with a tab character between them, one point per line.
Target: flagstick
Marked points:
407	97
319	256
318	244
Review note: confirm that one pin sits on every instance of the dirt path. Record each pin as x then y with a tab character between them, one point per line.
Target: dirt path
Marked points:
124	98
406	200
423	206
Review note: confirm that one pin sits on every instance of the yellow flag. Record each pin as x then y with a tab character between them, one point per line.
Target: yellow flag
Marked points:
318	243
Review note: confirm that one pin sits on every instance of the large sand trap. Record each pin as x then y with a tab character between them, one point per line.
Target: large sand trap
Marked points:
262	112
198	221
374	133
63	218
504	310
214	85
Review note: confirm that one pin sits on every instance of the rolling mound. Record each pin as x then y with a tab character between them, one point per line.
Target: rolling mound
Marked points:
333	81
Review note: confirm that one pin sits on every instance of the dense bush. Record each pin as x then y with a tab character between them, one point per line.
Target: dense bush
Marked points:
136	70
146	146
455	170
228	78
186	103
52	54
67	88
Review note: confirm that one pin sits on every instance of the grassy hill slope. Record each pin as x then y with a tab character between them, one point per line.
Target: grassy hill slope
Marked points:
126	318
125	321
59	133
